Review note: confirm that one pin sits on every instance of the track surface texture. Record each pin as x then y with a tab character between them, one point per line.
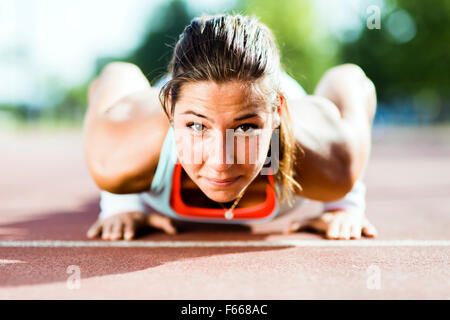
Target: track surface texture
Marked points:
47	202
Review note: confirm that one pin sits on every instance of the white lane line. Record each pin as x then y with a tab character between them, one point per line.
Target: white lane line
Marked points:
184	244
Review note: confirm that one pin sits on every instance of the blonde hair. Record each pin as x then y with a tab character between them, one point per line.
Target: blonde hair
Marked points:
227	47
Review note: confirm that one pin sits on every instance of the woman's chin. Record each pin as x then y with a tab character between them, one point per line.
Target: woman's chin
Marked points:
218	198
222	195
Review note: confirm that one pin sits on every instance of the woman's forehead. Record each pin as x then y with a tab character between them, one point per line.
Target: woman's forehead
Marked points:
212	96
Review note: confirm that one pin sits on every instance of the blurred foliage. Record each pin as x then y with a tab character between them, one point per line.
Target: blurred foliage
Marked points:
152	56
72	106
155	51
408	59
307	51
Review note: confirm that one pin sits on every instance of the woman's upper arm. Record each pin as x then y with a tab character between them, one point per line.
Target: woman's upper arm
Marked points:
322	167
122	155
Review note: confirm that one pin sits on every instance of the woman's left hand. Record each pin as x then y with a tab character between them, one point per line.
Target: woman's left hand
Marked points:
338	224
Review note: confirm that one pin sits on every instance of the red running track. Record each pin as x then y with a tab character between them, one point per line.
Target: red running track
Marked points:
47	195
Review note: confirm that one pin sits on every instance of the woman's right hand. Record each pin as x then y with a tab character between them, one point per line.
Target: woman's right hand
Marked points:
124	225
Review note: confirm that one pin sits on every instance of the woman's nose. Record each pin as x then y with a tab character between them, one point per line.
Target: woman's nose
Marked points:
220	151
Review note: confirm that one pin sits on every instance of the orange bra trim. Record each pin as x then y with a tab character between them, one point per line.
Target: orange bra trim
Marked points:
258	211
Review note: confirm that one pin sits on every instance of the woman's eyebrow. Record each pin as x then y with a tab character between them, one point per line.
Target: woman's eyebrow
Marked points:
195	114
243	117
246	116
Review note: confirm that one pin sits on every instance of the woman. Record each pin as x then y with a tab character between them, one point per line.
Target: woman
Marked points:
198	148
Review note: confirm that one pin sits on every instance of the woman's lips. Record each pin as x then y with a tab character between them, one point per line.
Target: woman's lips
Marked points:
222	183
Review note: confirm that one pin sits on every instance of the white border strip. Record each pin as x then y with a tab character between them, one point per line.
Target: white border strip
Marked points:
187	244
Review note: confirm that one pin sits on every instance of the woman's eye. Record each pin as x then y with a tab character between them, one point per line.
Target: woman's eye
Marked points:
199	128
248	126
196	125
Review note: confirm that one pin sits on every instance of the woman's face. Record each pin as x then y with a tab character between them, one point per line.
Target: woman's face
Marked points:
222	132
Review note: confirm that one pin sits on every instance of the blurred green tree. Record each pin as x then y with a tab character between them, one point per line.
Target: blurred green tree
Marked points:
408	58
152	56
306	48
155	51
70	108
156	47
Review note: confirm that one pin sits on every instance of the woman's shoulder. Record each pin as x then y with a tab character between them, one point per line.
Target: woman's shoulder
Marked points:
290	87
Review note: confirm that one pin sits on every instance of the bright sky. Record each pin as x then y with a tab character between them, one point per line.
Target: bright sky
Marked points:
61	39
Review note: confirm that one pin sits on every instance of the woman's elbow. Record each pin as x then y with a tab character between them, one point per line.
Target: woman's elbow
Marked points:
103	163
338	177
119	180
106	178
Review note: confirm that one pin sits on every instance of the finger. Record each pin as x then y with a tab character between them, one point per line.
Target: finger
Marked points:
344	231
116	230
129	230
94	230
333	230
106	231
355	231
369	230
162	223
